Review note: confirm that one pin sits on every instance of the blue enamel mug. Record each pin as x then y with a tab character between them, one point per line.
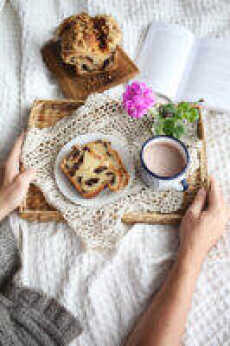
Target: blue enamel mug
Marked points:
175	182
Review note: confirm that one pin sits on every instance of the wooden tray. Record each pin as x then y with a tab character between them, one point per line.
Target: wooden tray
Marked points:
45	114
79	87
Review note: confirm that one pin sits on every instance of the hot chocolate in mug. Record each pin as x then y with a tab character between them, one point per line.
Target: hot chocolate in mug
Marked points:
164	163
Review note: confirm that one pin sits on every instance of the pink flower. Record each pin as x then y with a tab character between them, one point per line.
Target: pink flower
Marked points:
137	99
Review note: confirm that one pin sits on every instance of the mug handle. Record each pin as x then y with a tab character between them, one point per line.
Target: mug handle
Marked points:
185	184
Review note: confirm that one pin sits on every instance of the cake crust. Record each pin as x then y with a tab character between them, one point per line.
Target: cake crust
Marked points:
89	43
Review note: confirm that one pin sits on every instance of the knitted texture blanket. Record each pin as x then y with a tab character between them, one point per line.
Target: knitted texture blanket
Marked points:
26	316
108	291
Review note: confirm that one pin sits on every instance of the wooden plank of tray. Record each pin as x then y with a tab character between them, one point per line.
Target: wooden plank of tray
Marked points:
46	113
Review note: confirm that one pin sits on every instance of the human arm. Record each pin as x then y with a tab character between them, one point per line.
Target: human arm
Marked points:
28	316
12	193
164	321
15	185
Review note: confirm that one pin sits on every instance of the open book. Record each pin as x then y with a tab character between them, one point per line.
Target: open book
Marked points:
177	64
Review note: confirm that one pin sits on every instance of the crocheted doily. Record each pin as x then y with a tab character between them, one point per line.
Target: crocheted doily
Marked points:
100	225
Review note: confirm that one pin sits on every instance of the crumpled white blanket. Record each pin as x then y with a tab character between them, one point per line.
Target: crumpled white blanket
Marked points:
107	291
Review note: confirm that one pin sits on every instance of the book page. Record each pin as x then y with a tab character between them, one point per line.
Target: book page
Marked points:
164	56
208	74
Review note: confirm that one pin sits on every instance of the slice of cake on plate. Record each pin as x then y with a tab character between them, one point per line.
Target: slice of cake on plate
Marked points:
89	172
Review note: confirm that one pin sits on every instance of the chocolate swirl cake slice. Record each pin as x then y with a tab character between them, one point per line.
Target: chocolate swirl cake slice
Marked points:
86	65
88	171
103	148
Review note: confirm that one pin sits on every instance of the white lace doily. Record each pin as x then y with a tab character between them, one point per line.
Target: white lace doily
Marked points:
99	226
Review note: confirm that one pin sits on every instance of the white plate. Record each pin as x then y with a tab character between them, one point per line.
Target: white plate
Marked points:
106	196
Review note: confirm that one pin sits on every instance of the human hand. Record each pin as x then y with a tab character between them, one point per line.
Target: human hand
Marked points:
15	185
201	228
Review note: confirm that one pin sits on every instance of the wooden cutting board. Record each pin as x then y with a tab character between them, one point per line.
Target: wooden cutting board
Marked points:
79	87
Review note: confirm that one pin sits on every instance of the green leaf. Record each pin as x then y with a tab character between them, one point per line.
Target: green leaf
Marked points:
167	108
170	122
170	118
159	128
179	130
168	126
192	115
183	107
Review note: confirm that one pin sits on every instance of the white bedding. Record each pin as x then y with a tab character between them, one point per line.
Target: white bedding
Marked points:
108	291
